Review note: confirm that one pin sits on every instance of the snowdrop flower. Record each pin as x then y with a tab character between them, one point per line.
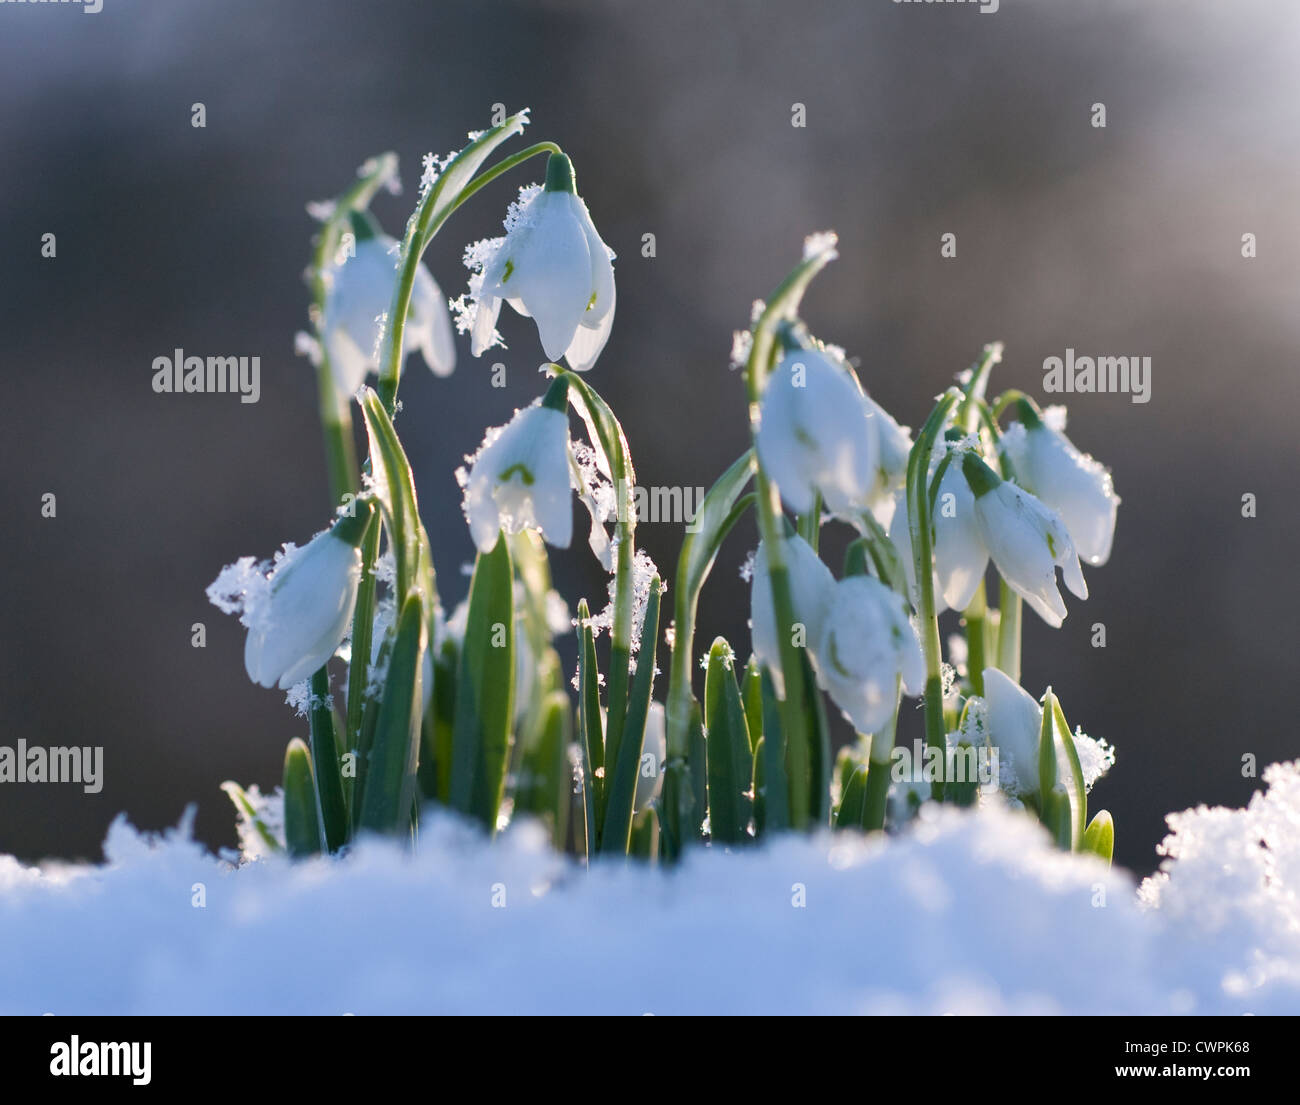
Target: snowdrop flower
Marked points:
519	479
1071	483
1026	541
895	443
811	588
960	556
552	267
816	434
298	616
359	292
867	646
1013	721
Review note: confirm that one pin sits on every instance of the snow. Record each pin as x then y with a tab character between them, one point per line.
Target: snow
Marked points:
964	912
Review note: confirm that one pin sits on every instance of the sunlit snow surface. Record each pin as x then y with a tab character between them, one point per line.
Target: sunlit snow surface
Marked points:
962	913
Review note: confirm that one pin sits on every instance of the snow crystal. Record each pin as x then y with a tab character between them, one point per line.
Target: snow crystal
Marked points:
747	566
1096	757
742	341
821	245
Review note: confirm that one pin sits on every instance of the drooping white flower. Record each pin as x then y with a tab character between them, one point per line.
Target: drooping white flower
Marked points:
811	588
359	290
552	267
1026	540
895	445
1013	721
1071	483
299	613
519	479
816	434
867	646
960	555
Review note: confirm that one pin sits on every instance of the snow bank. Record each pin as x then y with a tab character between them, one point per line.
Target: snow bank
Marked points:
965	912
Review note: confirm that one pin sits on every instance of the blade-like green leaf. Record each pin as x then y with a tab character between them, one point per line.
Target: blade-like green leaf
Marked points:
395	488
713	521
853	800
1099	838
776	780
301	823
482	732
325	763
546	777
388	790
625	756
730	759
591	731
751	692
248	813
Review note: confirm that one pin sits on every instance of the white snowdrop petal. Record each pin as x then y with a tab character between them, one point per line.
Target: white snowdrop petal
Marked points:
587	343
1013	721
815	434
602	273
520	479
547	265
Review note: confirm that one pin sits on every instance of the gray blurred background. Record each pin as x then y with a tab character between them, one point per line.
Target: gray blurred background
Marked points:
921	120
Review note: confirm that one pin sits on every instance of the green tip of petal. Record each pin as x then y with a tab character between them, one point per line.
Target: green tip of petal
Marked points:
981	478
559	174
1028	414
362	225
557	395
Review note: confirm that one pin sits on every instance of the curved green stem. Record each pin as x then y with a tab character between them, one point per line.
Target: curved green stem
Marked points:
921	530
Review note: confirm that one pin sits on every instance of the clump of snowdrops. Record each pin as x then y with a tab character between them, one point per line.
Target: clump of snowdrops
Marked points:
408	706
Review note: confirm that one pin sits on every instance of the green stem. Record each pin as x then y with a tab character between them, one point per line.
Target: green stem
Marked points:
335	412
921	530
976	618
418	236
1009	631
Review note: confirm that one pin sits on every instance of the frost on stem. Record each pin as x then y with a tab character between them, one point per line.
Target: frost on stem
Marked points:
643	572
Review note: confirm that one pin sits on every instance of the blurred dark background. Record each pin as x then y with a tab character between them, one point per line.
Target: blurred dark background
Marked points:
921	120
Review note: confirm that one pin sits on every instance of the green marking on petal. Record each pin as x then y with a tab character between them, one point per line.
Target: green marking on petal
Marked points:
523	471
510	268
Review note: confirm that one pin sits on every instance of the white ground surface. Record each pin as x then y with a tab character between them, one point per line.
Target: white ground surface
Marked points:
963	913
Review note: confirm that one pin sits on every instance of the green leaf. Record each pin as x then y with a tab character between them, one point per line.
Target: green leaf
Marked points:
626	757
248	812
301	826
546	777
751	692
645	835
853	801
1078	792
591	733
818	729
1099	838
699	774
718	512
388	791
776	780
443	197
325	763
1054	744
1058	817
482	732
729	756
395	488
